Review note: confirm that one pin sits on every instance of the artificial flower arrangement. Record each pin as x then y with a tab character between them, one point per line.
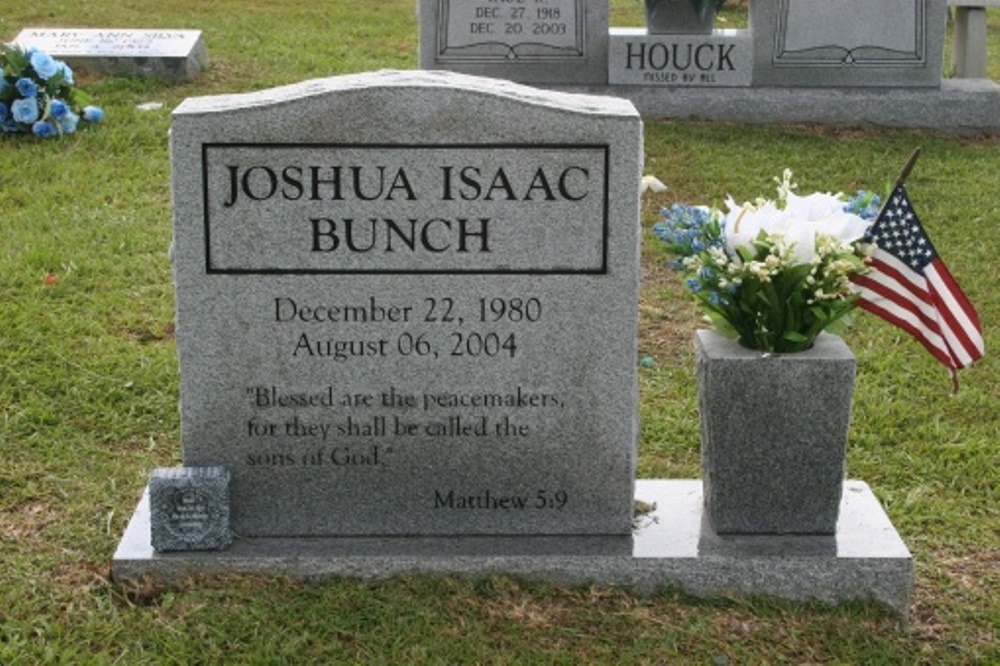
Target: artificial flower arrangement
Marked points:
773	273
37	95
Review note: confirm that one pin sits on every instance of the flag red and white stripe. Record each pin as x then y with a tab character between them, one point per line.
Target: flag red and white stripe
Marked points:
910	287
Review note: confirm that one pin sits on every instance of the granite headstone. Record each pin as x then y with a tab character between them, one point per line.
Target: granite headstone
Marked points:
173	55
969	37
559	42
849	43
406	305
406	325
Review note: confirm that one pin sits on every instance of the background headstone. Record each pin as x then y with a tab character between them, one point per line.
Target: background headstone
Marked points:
969	44
560	42
173	55
407	305
849	43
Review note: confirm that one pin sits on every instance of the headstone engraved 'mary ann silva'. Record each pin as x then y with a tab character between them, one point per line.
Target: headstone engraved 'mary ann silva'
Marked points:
173	55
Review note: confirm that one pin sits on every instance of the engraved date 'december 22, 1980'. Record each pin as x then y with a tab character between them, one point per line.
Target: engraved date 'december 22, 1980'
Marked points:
481	327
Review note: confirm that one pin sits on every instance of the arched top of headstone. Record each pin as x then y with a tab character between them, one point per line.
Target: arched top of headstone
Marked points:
418	80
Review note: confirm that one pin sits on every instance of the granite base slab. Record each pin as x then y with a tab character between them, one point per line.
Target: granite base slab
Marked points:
671	546
962	106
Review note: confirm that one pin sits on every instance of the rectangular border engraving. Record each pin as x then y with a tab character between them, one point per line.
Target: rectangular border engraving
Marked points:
215	266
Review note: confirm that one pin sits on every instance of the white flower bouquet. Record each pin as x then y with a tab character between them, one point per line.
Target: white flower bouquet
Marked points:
773	273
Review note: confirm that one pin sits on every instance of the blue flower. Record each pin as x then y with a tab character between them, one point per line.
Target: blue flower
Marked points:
93	114
69	122
44	64
3	112
25	110
44	129
58	109
662	231
66	72
27	87
694	284
10	127
865	205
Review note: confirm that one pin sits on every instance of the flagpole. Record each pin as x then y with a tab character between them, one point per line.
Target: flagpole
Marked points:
908	167
903	175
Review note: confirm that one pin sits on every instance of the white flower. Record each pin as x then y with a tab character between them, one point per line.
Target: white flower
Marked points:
719	256
651	183
800	223
785	185
693	263
744	223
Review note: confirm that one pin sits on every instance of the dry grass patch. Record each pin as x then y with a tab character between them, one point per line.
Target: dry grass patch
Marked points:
25	524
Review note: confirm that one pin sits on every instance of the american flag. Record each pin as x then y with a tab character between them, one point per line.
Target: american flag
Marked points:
910	287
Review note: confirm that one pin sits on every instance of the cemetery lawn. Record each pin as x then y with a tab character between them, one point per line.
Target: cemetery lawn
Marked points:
89	390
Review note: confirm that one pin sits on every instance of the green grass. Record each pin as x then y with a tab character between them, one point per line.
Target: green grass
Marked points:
88	394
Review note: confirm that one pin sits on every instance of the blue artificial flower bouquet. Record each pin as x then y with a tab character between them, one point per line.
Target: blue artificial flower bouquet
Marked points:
37	95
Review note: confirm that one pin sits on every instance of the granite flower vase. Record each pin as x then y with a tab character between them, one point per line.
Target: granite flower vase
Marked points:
773	434
678	17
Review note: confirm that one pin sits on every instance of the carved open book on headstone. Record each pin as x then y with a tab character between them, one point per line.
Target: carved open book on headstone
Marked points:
820	43
855	33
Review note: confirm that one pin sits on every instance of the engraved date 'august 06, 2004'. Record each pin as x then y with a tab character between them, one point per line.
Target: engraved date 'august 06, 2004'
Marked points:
476	328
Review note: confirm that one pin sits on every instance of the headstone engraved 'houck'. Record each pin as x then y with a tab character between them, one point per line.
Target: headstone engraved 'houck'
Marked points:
722	59
407	306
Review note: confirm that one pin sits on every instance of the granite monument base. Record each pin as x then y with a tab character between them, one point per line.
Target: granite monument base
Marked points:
961	106
671	546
